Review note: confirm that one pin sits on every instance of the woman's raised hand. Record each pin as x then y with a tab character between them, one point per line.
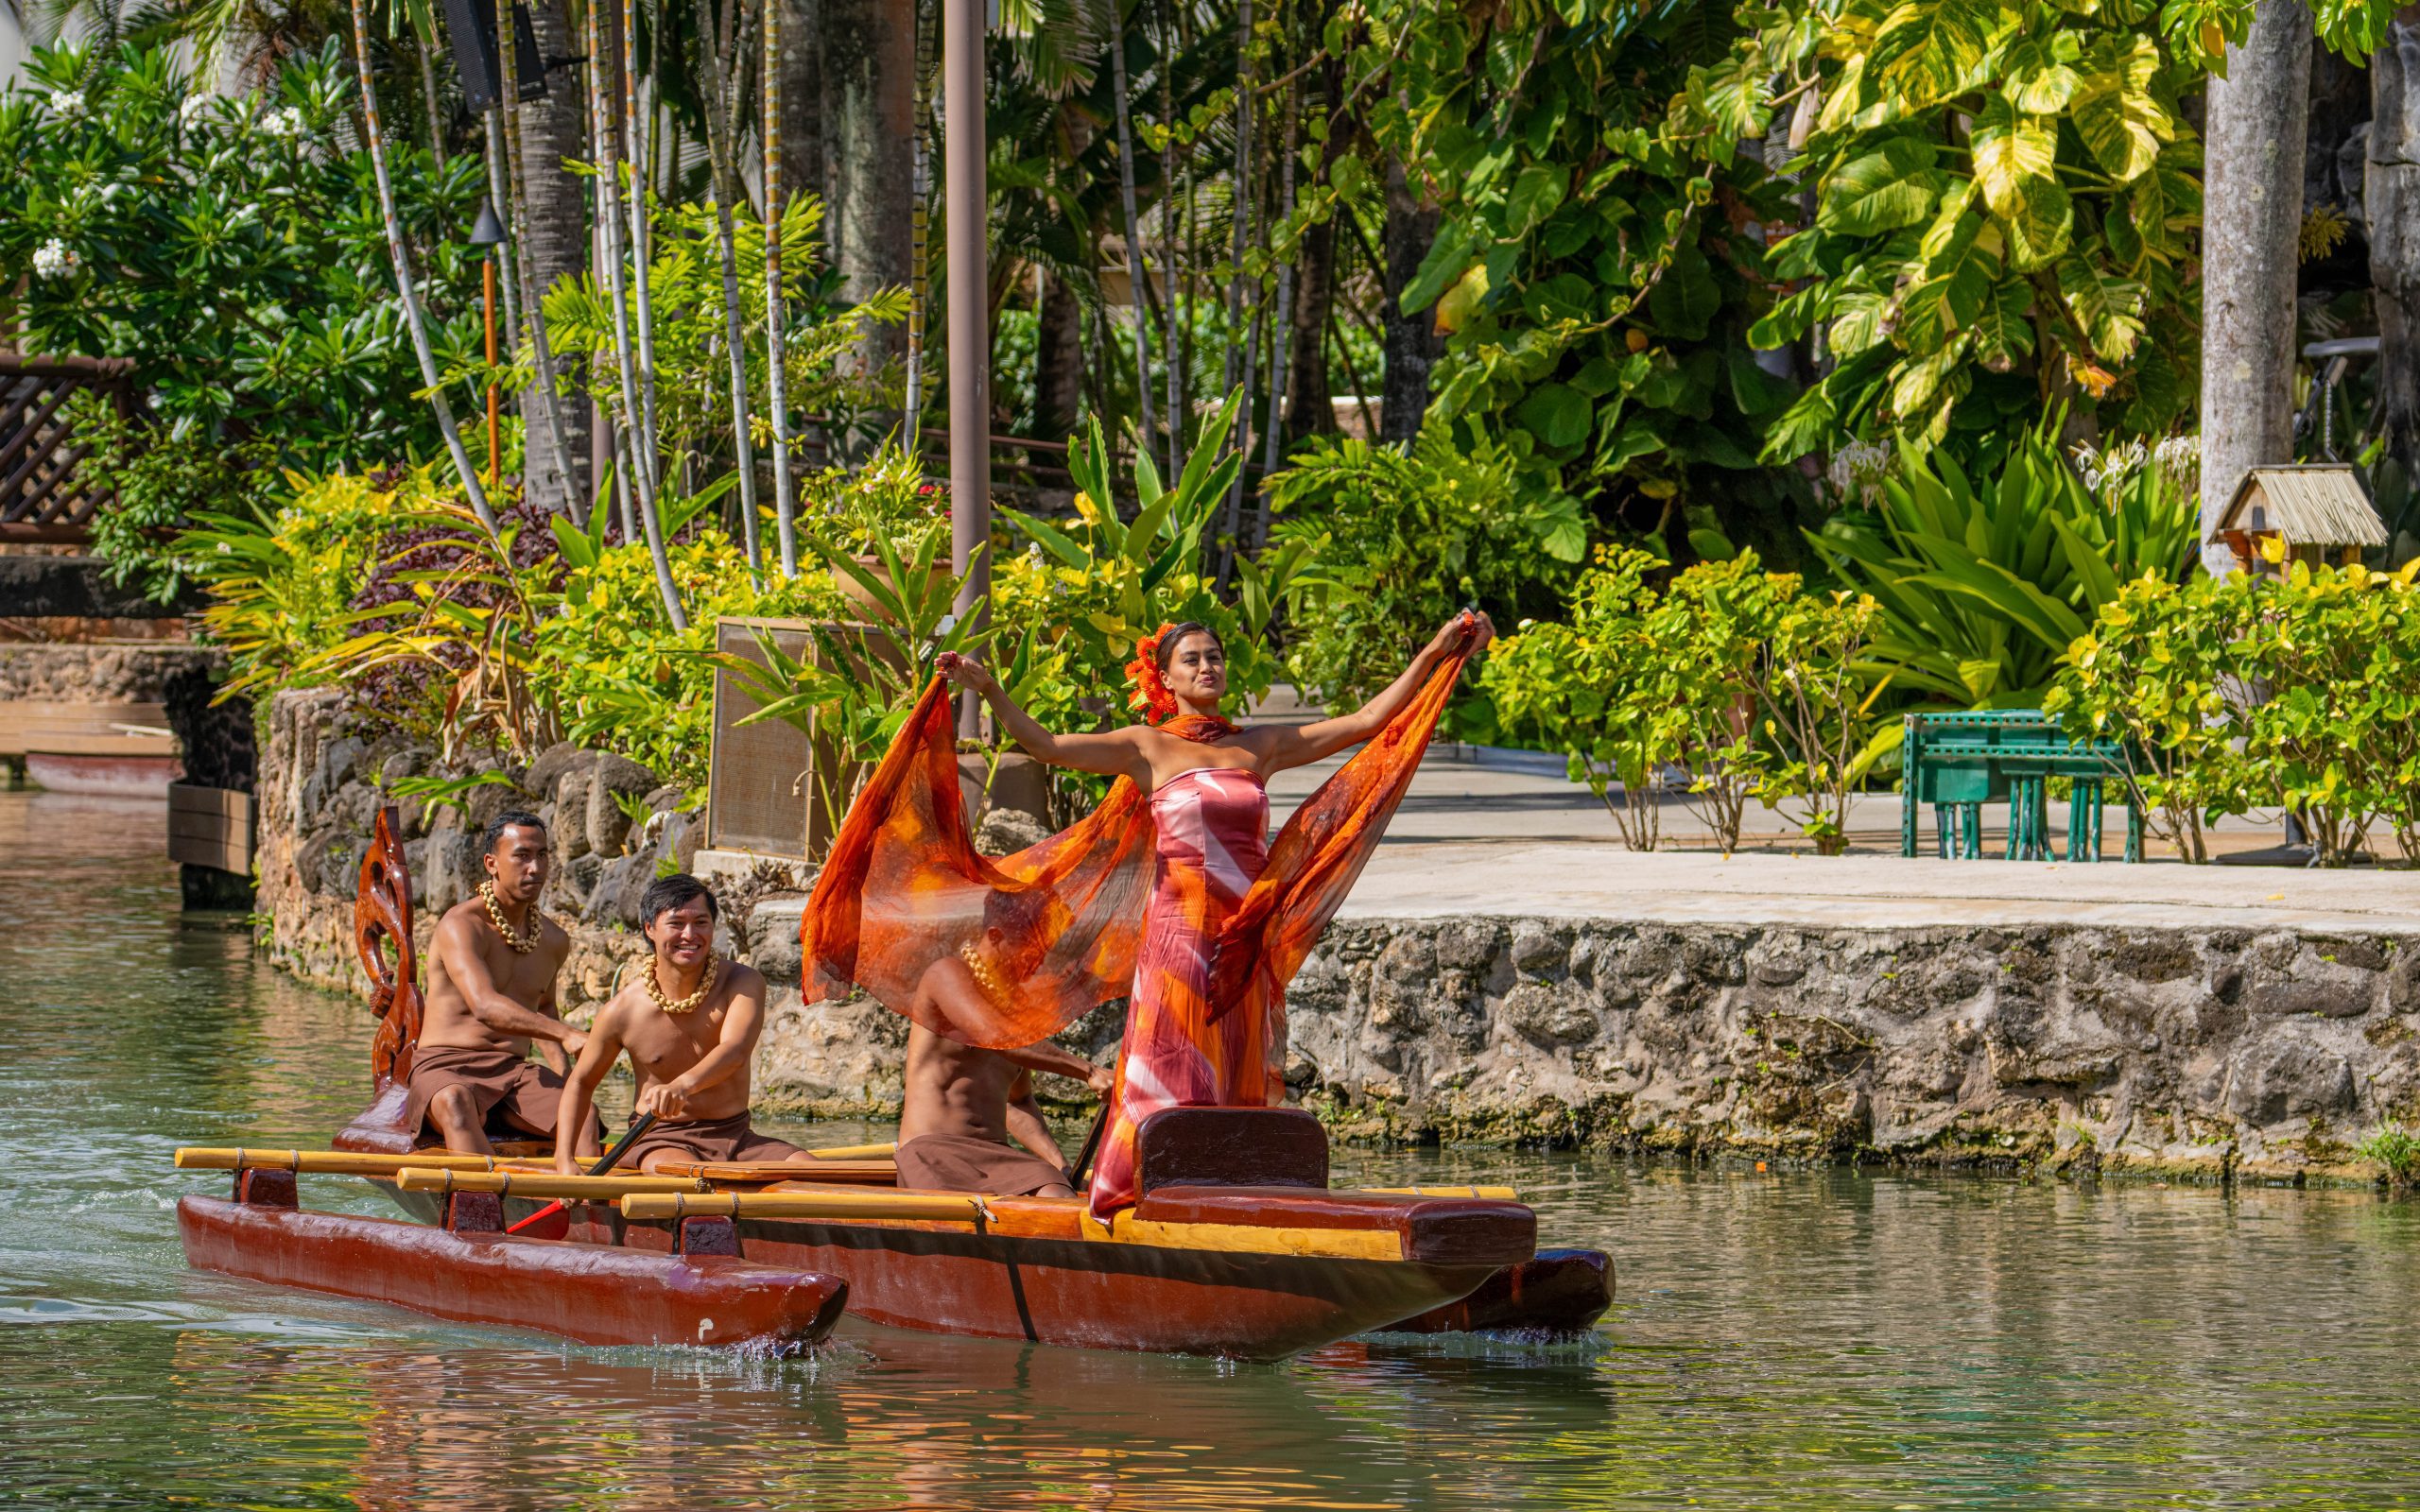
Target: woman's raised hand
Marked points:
1449	634
966	672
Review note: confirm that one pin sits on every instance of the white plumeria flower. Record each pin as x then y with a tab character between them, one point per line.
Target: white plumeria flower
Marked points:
156	401
285	121
68	104
194	108
54	259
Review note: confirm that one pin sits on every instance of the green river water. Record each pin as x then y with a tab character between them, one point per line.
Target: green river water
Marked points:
1797	1340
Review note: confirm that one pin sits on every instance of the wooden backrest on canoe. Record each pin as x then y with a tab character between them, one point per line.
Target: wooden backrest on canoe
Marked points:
1230	1147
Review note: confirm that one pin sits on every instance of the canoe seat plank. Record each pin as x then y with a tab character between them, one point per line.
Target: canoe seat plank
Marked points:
1439	1230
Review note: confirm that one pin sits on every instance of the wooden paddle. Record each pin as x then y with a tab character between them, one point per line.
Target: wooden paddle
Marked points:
1091	1146
612	1157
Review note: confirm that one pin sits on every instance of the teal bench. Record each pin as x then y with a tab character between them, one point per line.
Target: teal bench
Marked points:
1959	762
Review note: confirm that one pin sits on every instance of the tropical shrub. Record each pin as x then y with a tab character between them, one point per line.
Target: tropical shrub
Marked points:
619	676
1730	671
161	477
1592	688
1710	631
1409	534
2248	690
1596	276
1983	585
885	499
234	250
1817	704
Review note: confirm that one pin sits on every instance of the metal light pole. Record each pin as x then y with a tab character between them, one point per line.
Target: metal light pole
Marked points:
966	203
489	232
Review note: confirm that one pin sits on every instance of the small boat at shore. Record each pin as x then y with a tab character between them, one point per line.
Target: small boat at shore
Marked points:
1236	1247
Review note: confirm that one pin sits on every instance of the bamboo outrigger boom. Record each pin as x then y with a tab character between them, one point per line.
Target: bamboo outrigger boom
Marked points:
947	1207
541	1184
342	1162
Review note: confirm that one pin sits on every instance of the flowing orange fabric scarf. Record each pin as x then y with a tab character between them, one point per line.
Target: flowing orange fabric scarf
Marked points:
1006	952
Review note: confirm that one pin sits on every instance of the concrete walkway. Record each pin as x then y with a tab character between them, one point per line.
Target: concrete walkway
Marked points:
1480	836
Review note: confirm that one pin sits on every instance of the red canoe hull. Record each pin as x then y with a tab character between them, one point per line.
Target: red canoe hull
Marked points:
1559	1292
591	1293
1097	1295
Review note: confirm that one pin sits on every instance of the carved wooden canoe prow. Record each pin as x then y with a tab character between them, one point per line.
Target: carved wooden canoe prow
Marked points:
382	914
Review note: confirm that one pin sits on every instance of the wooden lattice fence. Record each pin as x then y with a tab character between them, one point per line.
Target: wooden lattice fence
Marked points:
42	495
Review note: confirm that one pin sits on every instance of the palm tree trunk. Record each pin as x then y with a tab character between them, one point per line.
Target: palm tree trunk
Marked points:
1137	291
376	142
868	132
550	240
776	385
508	264
2251	210
635	121
1281	367
719	61
1242	181
421	47
1170	343
1412	345
639	466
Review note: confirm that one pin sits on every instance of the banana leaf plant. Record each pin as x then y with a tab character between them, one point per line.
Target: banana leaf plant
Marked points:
1984	585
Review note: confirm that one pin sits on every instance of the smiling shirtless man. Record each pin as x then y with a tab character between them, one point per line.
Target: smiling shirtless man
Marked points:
690	1024
490	994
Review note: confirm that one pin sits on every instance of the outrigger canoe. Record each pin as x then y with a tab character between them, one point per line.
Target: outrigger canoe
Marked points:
1237	1246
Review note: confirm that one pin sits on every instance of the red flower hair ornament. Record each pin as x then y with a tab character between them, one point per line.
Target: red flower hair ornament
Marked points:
1147	691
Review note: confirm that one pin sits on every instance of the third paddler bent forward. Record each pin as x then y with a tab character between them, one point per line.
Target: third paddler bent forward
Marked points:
691	1025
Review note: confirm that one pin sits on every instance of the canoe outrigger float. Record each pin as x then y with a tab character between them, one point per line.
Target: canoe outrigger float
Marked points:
1236	1247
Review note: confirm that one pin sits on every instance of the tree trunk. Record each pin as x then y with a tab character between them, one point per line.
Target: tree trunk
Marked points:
801	63
1412	345
869	127
2389	202
1058	362
373	139
2252	213
1310	406
1138	293
554	233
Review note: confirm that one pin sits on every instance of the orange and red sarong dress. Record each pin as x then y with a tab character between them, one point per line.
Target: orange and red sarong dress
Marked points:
1169	900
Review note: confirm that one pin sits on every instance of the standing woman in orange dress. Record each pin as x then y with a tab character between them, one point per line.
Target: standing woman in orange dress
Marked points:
1167	893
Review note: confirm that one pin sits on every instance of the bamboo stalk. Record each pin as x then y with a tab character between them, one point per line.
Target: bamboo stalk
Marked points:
777	383
533	298
375	140
1136	294
635	449
856	1152
542	1183
329	1162
946	1207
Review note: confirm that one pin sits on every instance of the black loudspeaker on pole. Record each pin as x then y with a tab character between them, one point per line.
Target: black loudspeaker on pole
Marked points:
470	26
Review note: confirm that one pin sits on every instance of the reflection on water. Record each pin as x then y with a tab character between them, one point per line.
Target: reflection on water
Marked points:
1795	1340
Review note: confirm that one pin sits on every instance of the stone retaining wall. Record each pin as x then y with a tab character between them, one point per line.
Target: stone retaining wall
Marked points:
2187	1053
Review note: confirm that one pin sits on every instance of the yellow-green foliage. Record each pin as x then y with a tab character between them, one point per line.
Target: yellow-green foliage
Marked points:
622	680
279	590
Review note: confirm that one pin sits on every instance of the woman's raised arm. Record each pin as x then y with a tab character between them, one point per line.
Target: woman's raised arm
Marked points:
1113	754
1301	745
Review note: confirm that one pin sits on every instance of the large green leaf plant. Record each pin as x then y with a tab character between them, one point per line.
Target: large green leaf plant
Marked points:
2007	200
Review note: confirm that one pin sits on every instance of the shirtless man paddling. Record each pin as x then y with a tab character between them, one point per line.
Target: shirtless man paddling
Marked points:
491	993
964	1104
690	1024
